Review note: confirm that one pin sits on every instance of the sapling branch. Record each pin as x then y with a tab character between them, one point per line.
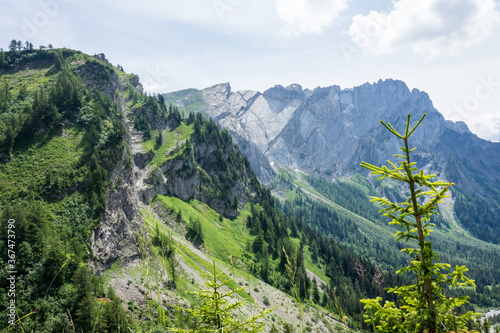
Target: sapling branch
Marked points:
423	305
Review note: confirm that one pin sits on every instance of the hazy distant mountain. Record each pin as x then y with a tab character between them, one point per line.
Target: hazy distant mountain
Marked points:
328	131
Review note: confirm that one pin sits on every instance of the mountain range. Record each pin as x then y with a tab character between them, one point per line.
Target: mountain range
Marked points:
327	132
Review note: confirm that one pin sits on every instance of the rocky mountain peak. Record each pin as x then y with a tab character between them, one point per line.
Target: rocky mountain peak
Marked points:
328	131
458	126
291	92
221	88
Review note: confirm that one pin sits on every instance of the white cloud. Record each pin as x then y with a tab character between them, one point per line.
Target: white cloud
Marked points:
308	16
430	27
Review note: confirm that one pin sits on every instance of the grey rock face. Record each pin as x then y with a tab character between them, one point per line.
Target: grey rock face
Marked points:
142	159
100	57
258	118
329	131
191	177
134	81
258	161
115	237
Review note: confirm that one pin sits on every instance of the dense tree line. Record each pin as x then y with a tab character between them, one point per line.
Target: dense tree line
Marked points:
479	216
476	211
226	166
20	53
150	112
484	264
348	196
340	227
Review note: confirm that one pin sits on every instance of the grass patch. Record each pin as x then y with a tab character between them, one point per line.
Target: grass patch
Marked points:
314	268
222	237
196	209
114	271
33	160
32	75
170	140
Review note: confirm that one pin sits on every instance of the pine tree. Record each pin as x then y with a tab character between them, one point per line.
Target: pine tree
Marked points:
218	311
22	93
84	300
159	140
4	96
114	315
314	251
423	306
13	45
315	292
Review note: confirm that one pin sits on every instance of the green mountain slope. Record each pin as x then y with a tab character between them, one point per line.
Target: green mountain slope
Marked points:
59	139
207	166
121	203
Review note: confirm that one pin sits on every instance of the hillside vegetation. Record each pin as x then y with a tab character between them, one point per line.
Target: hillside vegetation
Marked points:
122	203
59	138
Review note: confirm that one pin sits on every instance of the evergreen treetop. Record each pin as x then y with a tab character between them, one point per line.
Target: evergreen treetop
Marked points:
423	306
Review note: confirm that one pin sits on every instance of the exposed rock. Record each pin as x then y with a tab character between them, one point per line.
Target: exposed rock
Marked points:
115	236
258	161
134	80
142	159
100	57
278	92
329	131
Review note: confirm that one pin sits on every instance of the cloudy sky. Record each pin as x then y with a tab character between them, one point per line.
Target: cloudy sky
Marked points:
448	48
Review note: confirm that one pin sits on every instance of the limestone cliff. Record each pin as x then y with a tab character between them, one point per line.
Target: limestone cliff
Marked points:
329	131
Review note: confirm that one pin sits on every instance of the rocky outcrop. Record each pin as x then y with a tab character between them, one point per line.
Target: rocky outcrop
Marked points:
208	167
258	161
121	222
134	81
100	57
102	76
115	237
288	94
143	158
185	180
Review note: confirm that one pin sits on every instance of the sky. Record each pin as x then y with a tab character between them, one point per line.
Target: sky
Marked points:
447	48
